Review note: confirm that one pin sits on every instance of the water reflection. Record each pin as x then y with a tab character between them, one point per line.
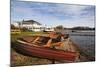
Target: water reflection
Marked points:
85	42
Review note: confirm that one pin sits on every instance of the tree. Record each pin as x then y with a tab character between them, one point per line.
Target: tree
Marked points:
82	28
13	27
24	29
60	27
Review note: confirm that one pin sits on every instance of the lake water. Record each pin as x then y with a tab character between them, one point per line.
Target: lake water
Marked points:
85	40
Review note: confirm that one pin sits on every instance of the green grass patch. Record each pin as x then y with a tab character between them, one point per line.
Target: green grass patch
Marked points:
15	36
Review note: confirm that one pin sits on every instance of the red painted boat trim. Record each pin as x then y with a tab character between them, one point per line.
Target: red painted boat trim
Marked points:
47	53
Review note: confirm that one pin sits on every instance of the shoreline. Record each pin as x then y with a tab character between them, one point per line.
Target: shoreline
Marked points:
18	61
83	56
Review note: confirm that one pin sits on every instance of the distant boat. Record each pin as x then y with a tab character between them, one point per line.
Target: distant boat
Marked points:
73	31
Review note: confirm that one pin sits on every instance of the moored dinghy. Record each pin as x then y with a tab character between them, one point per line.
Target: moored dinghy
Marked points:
26	46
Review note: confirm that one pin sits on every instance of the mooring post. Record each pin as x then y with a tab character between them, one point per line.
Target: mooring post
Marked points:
53	61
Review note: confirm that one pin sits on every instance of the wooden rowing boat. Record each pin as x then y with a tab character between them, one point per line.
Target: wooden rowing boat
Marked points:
25	46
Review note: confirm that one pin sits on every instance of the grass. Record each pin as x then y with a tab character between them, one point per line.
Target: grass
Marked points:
19	59
15	36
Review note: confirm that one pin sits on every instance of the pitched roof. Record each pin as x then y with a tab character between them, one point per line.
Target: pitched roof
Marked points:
30	22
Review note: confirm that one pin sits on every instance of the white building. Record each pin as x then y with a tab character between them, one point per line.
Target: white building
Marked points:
48	28
31	25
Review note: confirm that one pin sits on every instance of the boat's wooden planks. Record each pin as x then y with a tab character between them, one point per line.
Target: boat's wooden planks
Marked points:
48	53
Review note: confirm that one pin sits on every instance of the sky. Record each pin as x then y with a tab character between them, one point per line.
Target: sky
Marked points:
53	14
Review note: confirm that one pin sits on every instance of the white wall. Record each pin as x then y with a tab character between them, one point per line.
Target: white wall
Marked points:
33	27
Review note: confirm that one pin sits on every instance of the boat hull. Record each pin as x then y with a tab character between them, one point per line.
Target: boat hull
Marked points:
46	53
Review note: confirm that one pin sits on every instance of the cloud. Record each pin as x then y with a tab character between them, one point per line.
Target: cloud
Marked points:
53	13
